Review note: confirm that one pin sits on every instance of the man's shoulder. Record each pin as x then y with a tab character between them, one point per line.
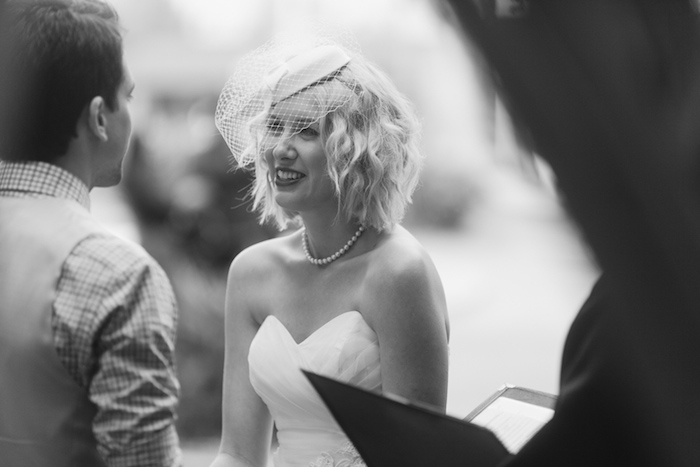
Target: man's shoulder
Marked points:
105	265
114	253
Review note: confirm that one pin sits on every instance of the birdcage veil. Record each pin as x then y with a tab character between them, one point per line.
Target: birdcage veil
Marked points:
267	96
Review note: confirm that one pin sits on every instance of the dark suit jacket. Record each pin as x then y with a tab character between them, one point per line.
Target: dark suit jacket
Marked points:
608	92
618	406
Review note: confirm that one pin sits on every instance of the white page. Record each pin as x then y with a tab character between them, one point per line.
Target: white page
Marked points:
514	422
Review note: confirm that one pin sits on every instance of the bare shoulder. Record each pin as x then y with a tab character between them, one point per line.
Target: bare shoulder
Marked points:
402	276
257	267
403	294
260	258
400	260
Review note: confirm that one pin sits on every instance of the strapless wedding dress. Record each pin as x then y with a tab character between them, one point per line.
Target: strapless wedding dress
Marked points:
345	348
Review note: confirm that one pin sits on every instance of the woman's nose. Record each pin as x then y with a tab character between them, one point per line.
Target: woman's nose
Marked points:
284	149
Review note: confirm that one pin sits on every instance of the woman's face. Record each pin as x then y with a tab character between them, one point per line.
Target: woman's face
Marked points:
297	161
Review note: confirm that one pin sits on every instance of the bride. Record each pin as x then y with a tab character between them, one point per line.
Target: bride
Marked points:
351	294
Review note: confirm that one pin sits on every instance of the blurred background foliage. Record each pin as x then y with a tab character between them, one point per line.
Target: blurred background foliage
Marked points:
189	208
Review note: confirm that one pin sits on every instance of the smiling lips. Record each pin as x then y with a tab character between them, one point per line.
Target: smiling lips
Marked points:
284	177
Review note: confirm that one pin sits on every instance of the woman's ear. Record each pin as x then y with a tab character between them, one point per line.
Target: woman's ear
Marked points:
97	122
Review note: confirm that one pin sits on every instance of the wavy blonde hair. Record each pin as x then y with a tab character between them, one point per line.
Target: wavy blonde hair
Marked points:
372	145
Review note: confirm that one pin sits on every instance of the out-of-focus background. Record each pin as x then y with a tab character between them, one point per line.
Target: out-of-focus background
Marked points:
515	268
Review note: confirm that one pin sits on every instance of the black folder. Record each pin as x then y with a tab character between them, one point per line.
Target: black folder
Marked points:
389	431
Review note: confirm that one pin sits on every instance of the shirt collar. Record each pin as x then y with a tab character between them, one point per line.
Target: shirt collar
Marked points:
42	179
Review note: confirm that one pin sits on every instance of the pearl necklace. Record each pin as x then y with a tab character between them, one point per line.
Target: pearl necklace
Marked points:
334	256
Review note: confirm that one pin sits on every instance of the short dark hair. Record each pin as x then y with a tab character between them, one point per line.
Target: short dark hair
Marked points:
61	54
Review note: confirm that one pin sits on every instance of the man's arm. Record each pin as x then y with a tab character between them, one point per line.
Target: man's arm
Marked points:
115	325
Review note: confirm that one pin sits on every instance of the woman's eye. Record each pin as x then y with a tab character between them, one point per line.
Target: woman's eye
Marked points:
275	127
309	132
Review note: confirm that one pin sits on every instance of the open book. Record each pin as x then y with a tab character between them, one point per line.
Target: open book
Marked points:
514	414
388	430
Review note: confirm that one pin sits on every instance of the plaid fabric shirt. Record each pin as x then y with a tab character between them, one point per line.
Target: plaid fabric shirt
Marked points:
114	322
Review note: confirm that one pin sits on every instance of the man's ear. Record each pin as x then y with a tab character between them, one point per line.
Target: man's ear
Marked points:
97	122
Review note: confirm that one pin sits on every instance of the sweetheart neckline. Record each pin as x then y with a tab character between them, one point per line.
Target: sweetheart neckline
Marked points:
324	325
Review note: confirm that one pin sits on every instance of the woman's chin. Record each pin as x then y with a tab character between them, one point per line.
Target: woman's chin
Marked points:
286	201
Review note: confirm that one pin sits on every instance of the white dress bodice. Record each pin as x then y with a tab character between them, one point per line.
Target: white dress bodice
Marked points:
345	348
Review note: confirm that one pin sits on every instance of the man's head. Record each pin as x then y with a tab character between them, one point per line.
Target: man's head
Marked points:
65	61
